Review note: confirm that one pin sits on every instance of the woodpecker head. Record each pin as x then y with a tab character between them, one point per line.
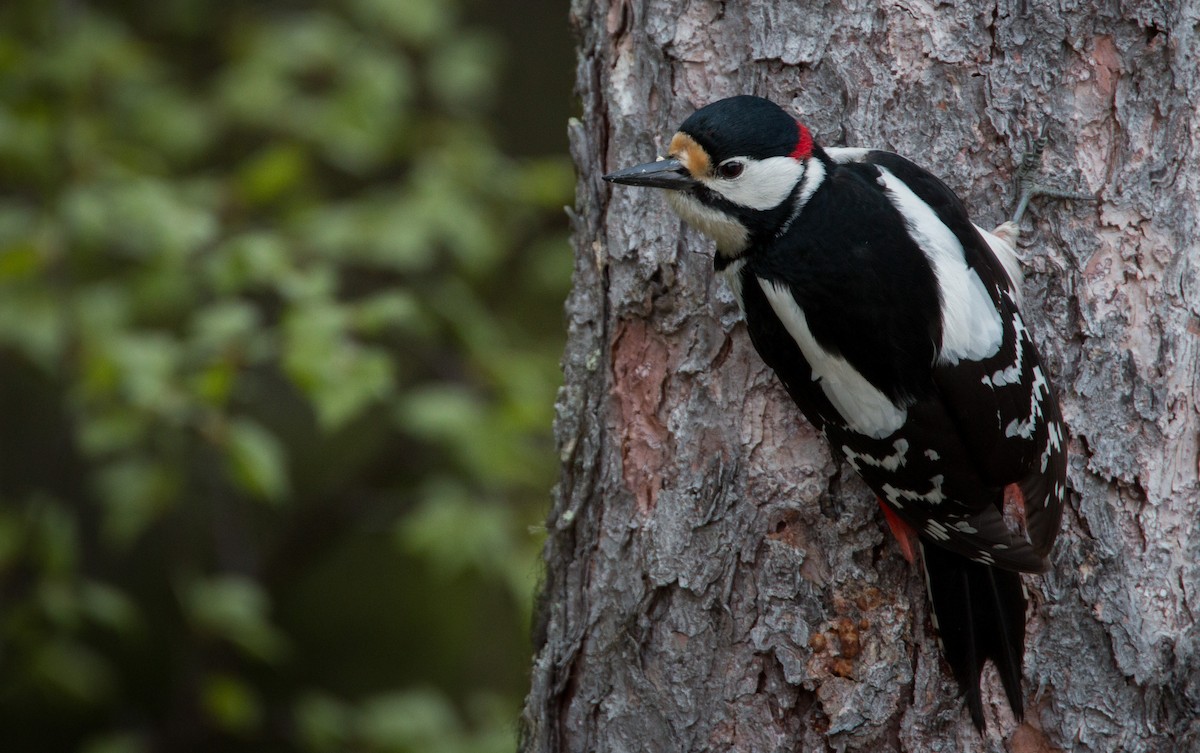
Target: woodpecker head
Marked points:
733	171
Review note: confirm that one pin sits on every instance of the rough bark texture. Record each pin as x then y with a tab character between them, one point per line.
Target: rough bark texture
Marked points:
714	579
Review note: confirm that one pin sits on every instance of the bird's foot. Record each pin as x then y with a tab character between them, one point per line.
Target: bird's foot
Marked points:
1027	186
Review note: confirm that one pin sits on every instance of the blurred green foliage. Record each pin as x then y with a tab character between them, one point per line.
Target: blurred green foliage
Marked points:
279	330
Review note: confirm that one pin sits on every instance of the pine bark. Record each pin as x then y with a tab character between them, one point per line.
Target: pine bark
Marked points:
715	580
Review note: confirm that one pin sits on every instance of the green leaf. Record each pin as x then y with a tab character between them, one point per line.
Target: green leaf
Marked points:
236	609
55	533
340	376
461	72
274	172
419	720
108	607
116	743
139	218
32	321
108	432
12	538
257	460
547	182
252	259
224	324
231	703
146	365
399	309
443	412
135	491
454	532
74	672
323	723
418	22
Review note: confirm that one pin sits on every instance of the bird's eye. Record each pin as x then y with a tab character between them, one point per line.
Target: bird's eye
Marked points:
730	170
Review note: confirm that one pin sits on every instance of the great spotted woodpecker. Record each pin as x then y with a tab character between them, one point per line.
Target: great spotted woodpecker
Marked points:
894	324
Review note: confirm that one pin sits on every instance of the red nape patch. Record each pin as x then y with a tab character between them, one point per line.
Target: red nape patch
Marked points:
804	143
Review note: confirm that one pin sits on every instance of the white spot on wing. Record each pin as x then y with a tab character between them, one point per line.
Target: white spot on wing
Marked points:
865	409
888	462
1054	439
1025	429
932	497
984	558
971	325
936	530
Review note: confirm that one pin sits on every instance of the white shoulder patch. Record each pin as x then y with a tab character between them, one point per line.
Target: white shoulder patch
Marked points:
844	154
865	409
971	326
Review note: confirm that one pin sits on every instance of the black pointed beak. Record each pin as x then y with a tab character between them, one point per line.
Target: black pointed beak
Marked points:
665	173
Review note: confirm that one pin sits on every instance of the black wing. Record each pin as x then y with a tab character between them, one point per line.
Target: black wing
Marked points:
868	295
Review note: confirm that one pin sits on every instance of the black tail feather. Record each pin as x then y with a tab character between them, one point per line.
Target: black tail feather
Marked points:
979	614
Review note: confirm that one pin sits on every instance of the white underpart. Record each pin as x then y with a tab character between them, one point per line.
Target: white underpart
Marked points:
887	462
970	323
763	184
865	409
733	275
730	235
1003	242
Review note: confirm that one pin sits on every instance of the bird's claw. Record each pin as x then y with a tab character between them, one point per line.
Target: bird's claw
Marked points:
1027	186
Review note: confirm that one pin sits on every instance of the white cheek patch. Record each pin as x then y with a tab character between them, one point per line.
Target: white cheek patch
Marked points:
763	184
731	236
865	409
971	325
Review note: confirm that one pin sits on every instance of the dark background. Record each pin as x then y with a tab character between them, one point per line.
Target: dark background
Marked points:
280	317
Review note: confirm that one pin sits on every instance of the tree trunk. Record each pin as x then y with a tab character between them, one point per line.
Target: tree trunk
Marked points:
715	580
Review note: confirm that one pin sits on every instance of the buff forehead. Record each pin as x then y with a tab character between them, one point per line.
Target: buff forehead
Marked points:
685	149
